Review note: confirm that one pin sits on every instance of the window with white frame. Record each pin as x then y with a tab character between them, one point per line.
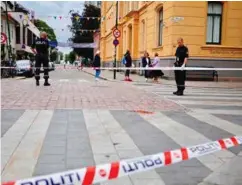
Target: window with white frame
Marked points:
160	27
214	22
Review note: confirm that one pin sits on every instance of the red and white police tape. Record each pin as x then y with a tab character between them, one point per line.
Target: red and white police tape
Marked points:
136	68
106	172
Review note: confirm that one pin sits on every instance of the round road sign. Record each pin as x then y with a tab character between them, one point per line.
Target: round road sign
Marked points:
3	38
115	42
116	33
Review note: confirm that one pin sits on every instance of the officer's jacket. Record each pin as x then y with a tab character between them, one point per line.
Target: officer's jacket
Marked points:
181	54
41	45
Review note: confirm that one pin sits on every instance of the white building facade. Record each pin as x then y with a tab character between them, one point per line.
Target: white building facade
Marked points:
11	33
21	32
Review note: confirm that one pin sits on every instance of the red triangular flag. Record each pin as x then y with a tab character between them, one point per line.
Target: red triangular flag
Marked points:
60	17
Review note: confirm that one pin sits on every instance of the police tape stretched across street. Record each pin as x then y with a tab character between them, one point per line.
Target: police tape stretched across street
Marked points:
106	172
139	68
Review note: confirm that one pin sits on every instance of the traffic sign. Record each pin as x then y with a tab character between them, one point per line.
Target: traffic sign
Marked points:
3	38
115	42
116	33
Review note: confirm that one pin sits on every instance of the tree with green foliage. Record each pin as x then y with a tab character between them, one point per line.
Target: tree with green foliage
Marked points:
72	57
86	24
43	26
53	56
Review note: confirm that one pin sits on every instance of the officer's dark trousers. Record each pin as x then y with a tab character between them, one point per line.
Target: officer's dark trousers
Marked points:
180	77
41	59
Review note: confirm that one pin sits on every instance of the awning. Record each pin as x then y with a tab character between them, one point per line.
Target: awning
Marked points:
21	17
25	48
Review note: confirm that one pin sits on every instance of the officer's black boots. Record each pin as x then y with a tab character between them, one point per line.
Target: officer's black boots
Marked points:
175	92
37	82
179	93
46	83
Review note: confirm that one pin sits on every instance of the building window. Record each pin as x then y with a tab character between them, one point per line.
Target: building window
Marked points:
143	35
135	5
130	37
129	6
214	23
160	27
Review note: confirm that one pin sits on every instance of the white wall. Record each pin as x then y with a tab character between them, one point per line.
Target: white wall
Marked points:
12	28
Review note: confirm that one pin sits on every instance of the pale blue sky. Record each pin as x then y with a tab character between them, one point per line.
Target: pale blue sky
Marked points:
43	9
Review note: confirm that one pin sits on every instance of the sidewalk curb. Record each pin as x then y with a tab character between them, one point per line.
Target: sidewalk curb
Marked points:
173	85
94	75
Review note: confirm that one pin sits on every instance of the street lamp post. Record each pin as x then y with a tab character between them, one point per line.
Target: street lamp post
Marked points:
115	49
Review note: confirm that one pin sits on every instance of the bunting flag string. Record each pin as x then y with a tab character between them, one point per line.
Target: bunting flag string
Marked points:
66	29
61	17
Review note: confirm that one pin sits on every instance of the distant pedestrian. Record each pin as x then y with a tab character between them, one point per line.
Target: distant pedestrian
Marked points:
181	61
156	73
97	65
146	62
128	63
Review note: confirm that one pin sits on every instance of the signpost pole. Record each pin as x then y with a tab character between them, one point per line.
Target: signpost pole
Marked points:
115	49
9	36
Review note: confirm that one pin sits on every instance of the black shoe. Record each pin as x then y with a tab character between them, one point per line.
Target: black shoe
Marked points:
175	93
179	93
46	84
37	82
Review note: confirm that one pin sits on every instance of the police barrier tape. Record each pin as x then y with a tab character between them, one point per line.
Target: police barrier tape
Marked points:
101	173
134	68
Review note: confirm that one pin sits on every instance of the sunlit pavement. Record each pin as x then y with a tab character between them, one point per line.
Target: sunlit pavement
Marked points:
78	122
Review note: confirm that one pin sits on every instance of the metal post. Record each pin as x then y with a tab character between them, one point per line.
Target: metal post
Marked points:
115	49
9	36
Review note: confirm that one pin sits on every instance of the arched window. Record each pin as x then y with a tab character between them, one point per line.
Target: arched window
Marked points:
214	22
160	14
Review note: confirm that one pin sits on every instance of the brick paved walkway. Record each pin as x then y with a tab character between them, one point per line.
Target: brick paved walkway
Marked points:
73	94
88	130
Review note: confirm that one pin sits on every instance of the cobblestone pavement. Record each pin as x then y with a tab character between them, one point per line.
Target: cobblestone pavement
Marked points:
42	132
78	90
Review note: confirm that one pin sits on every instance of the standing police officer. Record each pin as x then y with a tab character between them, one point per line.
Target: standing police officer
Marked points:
42	47
181	61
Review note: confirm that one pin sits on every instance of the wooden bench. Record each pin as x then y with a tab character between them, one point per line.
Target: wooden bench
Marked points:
202	74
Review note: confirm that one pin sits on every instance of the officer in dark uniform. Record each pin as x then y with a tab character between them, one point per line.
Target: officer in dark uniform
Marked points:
181	61
42	45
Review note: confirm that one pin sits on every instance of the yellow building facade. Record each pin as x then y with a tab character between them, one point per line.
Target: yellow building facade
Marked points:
212	31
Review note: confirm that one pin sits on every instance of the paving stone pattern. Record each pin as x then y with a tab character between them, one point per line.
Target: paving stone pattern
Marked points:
71	136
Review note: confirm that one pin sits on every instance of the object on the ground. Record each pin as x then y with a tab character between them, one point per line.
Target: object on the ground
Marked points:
143	112
202	74
105	172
